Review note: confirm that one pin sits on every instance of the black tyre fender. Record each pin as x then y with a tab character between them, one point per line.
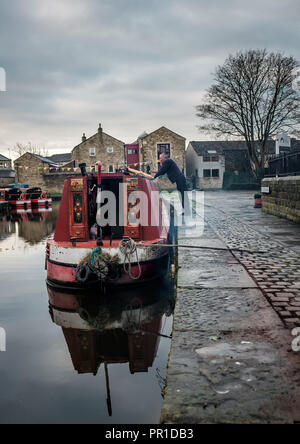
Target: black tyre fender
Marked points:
84	274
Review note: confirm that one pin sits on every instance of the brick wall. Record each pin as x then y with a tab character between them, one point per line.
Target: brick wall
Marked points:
101	142
284	197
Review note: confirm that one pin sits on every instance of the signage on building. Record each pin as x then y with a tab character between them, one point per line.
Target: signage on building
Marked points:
265	190
283	143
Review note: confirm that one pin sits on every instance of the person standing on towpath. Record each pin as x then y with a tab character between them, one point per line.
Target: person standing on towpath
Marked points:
169	167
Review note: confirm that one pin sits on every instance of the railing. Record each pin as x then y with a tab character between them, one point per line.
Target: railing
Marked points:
287	164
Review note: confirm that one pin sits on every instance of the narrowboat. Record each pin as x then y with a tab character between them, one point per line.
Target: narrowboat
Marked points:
112	230
38	198
17	199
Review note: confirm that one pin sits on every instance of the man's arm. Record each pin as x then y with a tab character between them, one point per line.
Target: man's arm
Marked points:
163	169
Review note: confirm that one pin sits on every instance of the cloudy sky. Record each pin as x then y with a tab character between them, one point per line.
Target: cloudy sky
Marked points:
132	65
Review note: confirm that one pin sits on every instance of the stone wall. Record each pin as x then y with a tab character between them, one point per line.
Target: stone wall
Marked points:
284	197
29	169
4	181
102	143
53	183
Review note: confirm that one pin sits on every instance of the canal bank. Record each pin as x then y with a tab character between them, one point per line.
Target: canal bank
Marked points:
231	359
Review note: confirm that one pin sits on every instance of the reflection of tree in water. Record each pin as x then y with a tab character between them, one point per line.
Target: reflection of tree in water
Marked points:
38	226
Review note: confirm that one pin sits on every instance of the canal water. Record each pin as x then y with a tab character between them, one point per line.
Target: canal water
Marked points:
103	361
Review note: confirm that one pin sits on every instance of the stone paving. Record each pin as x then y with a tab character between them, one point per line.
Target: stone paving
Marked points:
274	267
231	359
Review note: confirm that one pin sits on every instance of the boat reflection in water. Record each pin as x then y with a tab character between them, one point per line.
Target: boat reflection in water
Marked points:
30	226
115	328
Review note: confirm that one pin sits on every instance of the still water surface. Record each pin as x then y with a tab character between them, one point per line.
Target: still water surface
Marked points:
47	371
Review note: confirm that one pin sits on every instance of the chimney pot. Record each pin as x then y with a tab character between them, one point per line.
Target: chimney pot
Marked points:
100	128
83	137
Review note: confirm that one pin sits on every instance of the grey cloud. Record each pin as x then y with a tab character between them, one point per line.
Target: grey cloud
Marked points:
133	64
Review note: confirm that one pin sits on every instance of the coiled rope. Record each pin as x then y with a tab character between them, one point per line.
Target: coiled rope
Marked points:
128	248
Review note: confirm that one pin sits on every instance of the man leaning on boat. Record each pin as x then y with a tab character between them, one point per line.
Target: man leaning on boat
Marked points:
171	169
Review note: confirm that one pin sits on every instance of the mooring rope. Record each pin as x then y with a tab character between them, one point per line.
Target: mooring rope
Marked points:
128	247
200	247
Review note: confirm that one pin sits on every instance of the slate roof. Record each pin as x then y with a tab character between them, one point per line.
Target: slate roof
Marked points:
164	127
44	159
3	158
221	146
65	157
7	173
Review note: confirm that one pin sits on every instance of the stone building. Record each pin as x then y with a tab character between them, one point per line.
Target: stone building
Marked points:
30	169
7	177
100	146
5	163
7	174
162	140
38	171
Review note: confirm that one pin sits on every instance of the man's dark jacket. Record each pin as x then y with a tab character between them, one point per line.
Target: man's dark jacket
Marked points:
170	168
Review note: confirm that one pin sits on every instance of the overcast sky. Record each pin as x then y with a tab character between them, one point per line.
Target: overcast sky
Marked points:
132	65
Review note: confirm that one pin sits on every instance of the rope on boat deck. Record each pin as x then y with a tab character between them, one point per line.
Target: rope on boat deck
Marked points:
200	247
127	248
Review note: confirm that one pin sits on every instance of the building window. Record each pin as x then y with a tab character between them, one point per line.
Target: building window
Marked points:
210	158
215	173
132	152
163	148
110	149
111	169
206	173
92	152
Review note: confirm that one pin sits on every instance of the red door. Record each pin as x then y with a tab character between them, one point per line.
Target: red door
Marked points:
133	156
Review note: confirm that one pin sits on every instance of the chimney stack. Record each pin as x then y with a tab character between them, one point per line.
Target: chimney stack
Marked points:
83	137
100	129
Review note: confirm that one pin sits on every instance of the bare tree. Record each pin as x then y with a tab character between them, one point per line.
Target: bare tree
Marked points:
19	149
252	98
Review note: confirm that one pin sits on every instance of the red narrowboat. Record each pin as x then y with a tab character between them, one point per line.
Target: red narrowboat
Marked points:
96	246
38	198
17	199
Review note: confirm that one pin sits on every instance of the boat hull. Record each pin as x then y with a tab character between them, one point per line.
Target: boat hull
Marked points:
41	203
62	263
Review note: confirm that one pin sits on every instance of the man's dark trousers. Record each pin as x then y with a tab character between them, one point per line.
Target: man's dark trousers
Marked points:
182	188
